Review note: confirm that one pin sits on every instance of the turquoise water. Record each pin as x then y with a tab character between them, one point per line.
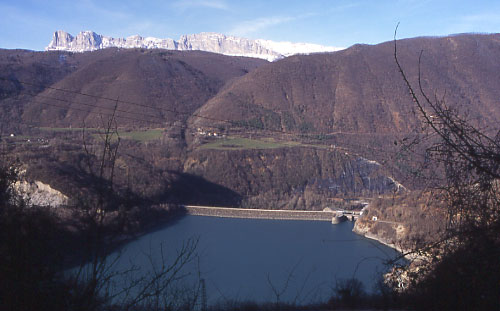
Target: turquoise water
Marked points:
254	259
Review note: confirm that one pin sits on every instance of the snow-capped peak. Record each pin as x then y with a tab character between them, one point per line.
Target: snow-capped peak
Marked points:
205	41
290	48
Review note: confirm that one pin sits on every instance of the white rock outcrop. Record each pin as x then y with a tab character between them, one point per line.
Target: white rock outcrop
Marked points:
205	41
40	194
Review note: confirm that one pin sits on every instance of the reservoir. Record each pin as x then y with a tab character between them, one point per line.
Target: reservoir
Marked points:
258	259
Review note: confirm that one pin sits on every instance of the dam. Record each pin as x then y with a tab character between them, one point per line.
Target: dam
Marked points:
229	212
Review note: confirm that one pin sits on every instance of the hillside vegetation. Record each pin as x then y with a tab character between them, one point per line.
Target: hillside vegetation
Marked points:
305	132
359	90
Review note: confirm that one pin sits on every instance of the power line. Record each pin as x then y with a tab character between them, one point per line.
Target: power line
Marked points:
261	131
101	113
231	122
121	101
90	105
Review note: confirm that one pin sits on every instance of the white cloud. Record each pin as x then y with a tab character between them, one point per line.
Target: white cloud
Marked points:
248	27
212	4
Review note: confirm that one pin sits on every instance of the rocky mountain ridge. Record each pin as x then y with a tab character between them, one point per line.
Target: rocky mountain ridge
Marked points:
209	42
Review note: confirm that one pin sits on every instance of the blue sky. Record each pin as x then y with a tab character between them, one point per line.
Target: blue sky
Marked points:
29	24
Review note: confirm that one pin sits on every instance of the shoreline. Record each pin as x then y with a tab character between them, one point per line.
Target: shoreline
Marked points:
368	235
232	212
381	241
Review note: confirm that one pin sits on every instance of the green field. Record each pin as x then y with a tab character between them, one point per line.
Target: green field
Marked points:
240	143
139	135
145	135
65	129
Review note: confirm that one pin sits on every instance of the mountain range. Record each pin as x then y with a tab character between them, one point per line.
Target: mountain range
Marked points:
209	42
300	131
304	132
353	91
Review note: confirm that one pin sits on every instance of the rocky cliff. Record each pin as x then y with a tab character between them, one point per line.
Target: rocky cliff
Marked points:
40	194
209	42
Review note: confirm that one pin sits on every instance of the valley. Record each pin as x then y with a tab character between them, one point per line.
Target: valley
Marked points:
192	128
302	133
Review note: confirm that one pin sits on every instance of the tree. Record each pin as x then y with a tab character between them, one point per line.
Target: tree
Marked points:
461	269
103	218
33	248
350	292
30	256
